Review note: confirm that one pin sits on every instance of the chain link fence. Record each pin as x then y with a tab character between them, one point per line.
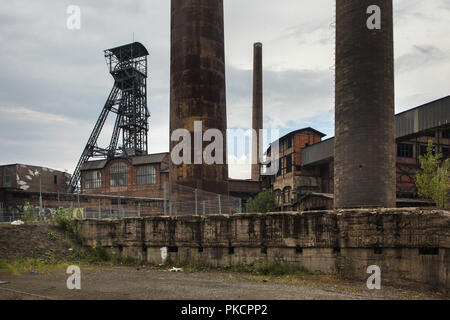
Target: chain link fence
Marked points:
168	200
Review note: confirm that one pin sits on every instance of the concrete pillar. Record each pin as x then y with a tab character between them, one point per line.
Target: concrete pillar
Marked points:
364	120
258	116
197	85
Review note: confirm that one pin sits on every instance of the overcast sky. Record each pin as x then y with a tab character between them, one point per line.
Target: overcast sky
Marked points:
54	81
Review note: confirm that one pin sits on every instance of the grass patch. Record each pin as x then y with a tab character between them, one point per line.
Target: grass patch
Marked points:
264	269
91	255
270	269
33	265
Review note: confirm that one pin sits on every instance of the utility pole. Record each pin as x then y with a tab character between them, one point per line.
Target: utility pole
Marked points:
40	193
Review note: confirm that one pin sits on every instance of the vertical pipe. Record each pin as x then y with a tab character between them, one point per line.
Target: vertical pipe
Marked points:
196	209
364	159
257	110
165	198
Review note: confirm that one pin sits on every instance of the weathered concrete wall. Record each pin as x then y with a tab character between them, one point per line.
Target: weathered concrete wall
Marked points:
409	245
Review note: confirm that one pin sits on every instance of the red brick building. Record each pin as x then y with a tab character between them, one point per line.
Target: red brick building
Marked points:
307	181
139	176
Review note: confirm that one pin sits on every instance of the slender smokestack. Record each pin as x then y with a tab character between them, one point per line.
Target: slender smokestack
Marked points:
197	85
365	142
257	119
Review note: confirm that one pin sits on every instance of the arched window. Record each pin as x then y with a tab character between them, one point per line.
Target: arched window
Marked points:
93	180
146	175
118	174
287	195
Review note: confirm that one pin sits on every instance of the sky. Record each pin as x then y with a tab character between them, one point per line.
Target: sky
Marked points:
54	81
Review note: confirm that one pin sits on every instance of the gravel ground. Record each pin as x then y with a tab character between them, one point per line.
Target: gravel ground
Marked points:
120	282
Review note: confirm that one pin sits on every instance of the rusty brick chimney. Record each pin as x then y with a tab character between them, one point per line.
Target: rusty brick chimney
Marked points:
197	85
258	115
364	120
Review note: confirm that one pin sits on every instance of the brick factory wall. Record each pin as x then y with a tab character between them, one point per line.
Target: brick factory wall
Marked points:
411	246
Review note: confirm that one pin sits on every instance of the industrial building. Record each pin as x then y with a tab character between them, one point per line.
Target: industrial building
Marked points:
306	178
136	176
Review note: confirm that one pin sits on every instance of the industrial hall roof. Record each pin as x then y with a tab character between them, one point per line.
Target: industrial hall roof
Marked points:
408	124
135	161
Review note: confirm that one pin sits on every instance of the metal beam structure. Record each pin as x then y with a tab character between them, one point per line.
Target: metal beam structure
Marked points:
128	100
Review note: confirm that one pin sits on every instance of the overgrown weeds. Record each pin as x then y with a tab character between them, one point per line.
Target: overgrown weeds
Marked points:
43	264
64	220
262	269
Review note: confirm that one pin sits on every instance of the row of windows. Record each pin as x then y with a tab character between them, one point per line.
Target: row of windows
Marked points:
406	150
118	176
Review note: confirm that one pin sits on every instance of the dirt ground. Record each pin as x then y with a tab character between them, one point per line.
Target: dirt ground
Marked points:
33	241
137	283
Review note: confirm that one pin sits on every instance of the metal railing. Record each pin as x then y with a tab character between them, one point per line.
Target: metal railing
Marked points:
168	200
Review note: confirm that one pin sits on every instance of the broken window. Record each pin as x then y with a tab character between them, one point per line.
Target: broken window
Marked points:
146	175
7	183
118	174
93	180
289	163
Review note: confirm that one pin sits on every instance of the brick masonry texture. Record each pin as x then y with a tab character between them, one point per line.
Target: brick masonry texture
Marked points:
411	246
364	122
197	85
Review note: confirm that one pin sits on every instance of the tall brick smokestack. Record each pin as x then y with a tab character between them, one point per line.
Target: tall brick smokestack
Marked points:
257	119
364	119
197	85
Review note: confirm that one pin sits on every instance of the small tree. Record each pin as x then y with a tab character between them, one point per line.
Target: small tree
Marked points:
434	180
263	202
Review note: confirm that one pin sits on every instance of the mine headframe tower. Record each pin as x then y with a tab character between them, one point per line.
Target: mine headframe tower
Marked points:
128	100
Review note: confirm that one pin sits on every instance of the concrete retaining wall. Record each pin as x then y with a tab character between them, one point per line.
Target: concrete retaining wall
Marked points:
411	246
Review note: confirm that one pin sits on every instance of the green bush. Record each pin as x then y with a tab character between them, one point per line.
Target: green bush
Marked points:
433	182
63	219
263	202
95	254
27	215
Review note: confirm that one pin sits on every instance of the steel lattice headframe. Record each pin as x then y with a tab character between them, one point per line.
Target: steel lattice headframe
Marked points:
128	100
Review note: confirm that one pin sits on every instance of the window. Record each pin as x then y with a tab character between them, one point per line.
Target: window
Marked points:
430	134
7	182
289	163
405	150
118	174
146	175
446	134
446	152
423	149
289	143
93	180
279	168
287	195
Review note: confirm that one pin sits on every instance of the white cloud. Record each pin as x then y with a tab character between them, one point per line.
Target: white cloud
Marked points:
60	81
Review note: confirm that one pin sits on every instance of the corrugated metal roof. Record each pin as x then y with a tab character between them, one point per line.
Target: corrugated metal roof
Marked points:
423	118
149	159
94	165
409	123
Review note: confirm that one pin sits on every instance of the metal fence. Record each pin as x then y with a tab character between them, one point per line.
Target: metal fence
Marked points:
166	199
